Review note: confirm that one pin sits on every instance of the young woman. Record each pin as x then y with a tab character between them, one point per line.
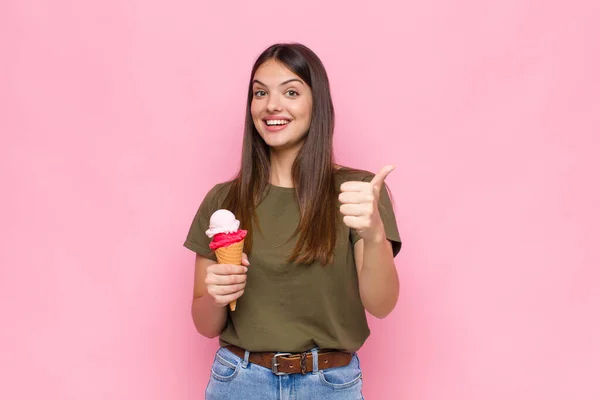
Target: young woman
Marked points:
319	250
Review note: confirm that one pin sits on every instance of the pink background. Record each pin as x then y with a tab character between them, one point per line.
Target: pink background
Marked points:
115	114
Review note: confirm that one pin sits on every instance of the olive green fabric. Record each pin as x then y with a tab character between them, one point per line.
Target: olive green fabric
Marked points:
290	307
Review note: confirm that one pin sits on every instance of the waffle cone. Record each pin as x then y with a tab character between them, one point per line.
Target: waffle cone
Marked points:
231	254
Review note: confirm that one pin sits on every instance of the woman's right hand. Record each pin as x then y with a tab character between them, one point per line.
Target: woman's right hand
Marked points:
226	282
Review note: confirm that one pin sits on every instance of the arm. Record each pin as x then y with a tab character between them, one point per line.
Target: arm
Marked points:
373	255
377	275
215	285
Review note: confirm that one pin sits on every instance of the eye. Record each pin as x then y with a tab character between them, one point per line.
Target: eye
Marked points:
292	93
259	93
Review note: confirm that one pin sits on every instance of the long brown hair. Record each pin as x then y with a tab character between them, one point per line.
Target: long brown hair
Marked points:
313	169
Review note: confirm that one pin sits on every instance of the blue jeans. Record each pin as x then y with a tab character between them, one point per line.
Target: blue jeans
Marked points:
234	378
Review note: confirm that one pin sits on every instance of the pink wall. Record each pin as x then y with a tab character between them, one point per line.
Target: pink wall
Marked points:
113	115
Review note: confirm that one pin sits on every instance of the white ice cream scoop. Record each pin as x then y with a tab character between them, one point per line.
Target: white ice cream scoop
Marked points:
222	221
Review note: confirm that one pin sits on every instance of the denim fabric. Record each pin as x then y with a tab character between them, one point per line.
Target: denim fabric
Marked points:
234	378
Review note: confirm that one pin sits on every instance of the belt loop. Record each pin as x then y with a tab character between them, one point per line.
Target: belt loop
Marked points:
315	357
246	357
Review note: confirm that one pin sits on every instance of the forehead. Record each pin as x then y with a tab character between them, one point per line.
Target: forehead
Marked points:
272	72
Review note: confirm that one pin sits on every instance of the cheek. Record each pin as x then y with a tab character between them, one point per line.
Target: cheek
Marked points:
303	110
254	109
308	111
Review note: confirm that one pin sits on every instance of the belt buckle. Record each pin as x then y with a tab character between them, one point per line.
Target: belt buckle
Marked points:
275	364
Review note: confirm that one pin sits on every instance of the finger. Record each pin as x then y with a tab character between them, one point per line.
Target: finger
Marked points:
355	210
378	179
356	197
226	290
355	186
355	222
245	259
225	300
228	269
224	280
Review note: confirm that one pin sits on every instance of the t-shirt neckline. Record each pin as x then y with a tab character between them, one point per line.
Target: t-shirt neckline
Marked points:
281	188
291	189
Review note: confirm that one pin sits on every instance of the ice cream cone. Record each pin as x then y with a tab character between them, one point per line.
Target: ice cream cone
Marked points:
231	254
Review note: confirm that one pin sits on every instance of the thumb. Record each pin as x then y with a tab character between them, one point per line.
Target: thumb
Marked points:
245	261
378	179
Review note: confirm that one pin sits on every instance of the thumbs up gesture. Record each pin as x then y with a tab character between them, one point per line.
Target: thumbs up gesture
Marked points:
359	205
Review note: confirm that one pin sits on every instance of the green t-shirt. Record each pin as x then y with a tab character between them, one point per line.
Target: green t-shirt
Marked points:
289	307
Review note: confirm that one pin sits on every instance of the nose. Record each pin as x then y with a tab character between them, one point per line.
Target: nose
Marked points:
273	104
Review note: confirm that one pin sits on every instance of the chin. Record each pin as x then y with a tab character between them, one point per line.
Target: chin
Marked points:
280	141
273	140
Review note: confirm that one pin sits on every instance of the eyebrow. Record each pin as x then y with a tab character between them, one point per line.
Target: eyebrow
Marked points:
281	84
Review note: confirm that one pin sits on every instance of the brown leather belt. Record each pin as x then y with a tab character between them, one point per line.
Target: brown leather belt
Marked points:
297	363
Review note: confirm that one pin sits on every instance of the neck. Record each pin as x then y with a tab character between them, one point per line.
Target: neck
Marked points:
281	168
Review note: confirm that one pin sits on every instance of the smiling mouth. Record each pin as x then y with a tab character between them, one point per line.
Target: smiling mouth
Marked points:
276	122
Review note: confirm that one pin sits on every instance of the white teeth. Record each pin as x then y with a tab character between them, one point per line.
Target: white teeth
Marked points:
271	122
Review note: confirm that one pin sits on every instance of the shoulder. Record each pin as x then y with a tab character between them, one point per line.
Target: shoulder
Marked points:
345	174
218	192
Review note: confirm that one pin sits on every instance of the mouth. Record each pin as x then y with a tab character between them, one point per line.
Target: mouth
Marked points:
276	122
275	125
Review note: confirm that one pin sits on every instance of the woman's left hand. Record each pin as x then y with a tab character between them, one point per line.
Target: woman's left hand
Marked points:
360	205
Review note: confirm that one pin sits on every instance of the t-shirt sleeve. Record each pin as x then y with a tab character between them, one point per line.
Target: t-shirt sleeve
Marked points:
388	217
196	240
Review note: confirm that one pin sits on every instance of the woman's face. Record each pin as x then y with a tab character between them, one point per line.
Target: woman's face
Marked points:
281	106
